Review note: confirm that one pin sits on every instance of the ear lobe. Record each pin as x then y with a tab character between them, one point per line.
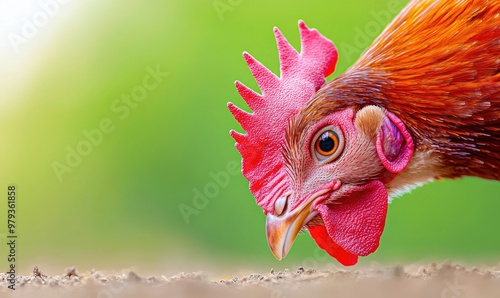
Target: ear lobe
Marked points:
394	144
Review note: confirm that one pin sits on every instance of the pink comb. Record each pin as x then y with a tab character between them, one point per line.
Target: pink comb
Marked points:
301	75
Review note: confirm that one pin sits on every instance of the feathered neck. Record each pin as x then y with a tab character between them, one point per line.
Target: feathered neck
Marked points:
438	71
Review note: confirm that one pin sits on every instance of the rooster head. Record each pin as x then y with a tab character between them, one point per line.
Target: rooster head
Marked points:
317	168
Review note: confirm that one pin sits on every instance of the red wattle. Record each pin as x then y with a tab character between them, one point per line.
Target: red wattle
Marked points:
357	222
320	236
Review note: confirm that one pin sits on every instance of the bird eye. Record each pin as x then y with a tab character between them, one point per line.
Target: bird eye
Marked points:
328	143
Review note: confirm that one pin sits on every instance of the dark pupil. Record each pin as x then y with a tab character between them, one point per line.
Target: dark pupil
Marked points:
326	143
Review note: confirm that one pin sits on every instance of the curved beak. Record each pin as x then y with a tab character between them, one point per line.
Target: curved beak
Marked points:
281	230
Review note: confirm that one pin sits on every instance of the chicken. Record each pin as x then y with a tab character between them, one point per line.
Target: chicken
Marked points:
421	103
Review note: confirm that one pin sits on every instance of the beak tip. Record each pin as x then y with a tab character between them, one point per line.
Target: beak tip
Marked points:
276	251
281	233
278	257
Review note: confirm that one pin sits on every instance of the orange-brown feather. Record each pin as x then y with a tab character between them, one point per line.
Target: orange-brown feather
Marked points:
437	67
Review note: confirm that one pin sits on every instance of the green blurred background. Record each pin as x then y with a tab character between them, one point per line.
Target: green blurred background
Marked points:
120	205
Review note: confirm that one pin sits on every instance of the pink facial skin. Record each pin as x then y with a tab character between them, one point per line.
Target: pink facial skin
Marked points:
354	215
394	144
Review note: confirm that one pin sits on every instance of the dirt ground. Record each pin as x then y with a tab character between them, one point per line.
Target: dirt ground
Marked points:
432	280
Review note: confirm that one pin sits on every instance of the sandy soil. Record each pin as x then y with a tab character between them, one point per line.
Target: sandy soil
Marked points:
432	280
